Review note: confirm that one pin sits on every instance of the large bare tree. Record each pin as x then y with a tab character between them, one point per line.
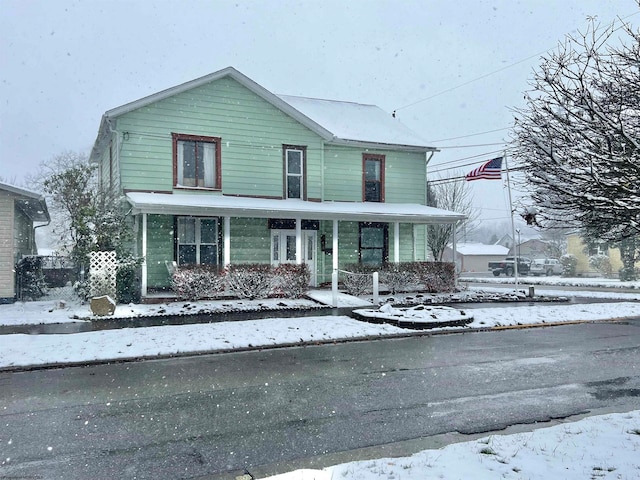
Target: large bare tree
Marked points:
577	140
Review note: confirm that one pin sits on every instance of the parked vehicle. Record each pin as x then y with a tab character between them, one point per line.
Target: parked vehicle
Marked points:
546	266
507	266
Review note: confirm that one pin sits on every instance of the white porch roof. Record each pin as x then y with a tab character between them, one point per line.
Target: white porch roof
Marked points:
229	206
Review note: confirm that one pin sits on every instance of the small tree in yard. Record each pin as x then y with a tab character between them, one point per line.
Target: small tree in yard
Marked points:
578	138
87	218
448	195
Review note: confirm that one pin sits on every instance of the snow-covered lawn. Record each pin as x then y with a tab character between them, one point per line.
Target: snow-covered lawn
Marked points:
600	447
22	350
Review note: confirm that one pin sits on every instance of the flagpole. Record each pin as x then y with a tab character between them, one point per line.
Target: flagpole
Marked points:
513	225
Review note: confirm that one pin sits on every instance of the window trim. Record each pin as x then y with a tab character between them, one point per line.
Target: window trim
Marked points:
303	175
381	159
217	141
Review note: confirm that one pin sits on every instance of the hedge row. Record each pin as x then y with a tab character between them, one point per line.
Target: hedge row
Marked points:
430	277
195	282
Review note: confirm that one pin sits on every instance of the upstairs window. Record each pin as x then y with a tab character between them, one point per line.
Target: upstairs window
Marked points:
294	172
373	178
196	161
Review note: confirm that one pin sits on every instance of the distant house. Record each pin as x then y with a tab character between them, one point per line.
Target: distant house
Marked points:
19	210
219	170
474	257
531	248
505	240
578	248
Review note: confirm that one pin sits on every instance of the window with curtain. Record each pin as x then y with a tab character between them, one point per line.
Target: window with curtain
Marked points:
196	161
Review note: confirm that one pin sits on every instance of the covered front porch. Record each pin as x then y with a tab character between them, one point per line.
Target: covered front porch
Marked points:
325	235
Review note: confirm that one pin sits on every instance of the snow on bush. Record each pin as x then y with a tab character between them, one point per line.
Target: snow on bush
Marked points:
249	281
196	282
602	264
357	280
432	277
569	263
398	277
291	281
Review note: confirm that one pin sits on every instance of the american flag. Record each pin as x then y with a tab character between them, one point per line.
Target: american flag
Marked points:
491	170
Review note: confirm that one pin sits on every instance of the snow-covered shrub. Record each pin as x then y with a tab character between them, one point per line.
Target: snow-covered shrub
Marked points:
128	279
290	280
569	263
195	282
31	282
602	264
358	279
249	281
398	277
434	277
628	274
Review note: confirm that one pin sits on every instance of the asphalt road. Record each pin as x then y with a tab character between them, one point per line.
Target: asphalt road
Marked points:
211	416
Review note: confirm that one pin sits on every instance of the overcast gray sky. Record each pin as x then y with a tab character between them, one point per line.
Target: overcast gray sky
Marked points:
450	69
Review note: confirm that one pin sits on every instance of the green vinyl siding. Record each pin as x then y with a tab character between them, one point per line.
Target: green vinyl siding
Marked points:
404	175
250	240
252	133
159	249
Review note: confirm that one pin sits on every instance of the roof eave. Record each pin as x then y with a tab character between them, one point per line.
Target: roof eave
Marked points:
288	213
382	146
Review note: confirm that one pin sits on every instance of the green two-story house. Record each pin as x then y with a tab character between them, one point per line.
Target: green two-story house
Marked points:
220	170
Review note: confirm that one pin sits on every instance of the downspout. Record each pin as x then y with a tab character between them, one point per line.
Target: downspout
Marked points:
34	244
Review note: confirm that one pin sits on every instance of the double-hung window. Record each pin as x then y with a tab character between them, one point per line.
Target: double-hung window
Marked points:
197	240
373	178
374	243
294	172
196	161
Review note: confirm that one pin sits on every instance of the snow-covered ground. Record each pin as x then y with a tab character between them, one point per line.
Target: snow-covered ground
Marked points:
600	447
25	350
597	447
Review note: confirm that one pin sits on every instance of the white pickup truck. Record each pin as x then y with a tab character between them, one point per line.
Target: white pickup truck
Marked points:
545	266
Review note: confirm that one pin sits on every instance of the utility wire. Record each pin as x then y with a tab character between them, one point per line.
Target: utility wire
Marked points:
470	135
481	77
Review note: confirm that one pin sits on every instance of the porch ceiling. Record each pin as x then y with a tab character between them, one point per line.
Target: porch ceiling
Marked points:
228	206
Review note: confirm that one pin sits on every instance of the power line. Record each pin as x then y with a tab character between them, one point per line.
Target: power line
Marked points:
481	77
472	146
470	135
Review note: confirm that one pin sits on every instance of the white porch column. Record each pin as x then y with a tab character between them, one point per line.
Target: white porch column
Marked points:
455	254
143	280
334	253
396	242
298	241
334	275
227	241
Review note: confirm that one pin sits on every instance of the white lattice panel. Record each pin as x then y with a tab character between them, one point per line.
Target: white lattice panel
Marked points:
102	274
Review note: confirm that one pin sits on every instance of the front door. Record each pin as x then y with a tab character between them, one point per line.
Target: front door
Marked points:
283	249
